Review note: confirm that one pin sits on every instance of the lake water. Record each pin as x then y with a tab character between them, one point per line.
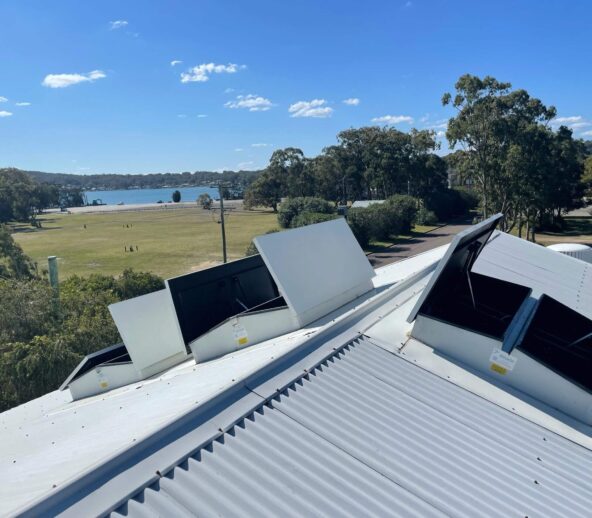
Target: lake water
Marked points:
138	196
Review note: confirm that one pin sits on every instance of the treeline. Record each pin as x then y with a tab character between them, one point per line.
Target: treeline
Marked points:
367	163
42	339
510	155
236	179
22	198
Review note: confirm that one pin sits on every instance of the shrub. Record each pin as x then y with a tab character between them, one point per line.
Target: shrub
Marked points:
360	223
425	217
470	198
205	201
402	210
450	202
176	196
309	218
395	216
290	208
383	221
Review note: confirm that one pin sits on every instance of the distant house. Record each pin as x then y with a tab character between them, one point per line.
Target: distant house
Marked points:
363	204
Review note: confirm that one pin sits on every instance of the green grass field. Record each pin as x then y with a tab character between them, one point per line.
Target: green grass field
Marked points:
170	242
578	229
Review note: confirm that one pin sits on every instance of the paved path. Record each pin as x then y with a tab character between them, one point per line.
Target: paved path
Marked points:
416	245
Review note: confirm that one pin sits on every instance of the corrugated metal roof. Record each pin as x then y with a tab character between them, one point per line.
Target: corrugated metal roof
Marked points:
369	433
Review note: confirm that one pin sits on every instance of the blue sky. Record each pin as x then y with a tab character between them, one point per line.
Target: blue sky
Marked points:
105	97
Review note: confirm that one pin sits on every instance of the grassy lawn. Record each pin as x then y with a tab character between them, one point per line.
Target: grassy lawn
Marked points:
170	242
578	229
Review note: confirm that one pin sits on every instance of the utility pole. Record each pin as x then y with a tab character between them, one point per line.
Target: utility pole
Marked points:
222	221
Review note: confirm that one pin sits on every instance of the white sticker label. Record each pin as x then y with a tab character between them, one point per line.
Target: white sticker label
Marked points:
501	362
240	334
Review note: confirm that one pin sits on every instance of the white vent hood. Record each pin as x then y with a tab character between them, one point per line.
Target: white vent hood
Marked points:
152	343
317	268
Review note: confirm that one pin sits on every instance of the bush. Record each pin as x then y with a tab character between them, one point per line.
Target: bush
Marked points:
205	201
290	208
360	223
383	221
451	202
402	210
470	198
310	218
176	196
425	217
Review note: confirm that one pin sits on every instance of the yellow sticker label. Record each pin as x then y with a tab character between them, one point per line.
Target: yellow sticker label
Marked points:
498	368
104	384
243	340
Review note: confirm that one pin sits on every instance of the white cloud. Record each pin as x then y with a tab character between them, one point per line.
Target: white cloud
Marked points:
238	149
64	80
253	103
22	104
352	101
182	116
260	144
245	165
117	24
440	134
587	133
201	73
175	62
441	124
393	119
574	122
566	120
578	125
3	99
229	90
201	115
314	108
4	113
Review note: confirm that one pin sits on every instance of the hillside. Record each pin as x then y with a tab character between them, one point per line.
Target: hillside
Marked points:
146	181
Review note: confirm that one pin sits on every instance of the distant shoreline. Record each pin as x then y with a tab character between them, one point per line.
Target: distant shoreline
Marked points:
94	209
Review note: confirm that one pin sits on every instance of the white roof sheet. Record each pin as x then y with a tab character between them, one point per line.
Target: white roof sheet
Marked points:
563	278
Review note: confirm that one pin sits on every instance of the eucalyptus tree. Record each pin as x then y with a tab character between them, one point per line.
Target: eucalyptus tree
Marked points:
490	119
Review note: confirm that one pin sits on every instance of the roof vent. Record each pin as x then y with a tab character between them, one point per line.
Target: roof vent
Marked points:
152	342
517	334
301	275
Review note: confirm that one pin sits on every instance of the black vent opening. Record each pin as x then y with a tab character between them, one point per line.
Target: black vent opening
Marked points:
476	302
207	298
561	339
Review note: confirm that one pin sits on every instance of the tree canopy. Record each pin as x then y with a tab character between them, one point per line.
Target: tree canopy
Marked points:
366	163
519	165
